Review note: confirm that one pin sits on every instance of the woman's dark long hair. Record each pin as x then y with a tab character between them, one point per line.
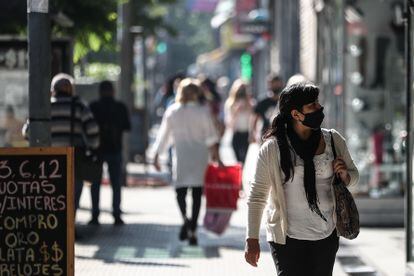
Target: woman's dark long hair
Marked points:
292	97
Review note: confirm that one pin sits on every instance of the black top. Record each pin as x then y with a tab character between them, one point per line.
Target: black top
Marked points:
113	119
266	109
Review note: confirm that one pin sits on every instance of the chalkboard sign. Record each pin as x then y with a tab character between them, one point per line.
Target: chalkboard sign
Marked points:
36	211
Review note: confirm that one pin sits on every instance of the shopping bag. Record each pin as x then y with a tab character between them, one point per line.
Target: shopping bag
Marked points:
88	167
222	186
216	220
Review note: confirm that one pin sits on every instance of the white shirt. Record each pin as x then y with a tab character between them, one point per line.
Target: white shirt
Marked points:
303	223
190	129
238	116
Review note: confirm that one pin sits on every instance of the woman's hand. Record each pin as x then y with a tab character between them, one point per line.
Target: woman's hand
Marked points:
252	251
341	170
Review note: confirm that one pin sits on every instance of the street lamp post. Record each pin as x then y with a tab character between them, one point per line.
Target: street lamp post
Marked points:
138	32
39	71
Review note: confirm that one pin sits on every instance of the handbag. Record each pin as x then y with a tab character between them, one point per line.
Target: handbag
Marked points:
88	167
347	216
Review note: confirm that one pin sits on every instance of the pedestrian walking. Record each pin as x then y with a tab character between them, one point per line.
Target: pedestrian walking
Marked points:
265	109
189	128
211	98
171	89
238	111
113	120
295	169
72	123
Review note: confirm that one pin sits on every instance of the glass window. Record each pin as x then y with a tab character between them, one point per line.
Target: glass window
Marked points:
375	96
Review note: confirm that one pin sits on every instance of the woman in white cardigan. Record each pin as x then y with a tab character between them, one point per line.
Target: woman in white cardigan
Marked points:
295	168
189	128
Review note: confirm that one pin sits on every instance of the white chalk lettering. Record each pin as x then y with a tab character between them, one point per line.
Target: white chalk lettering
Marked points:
24	174
31	221
5	170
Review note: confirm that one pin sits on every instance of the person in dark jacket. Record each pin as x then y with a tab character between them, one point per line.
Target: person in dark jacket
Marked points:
266	109
113	119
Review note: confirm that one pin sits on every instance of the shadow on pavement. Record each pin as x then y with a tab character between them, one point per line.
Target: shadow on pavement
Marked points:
109	211
135	243
140	263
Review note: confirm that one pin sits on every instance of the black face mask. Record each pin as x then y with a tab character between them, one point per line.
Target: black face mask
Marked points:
314	119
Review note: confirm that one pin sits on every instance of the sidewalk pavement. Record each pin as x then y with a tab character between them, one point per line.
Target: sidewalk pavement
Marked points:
148	243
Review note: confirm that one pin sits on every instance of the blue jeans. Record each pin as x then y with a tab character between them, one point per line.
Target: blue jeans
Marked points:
114	162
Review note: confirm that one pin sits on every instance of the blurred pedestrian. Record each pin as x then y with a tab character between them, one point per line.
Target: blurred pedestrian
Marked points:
171	89
166	94
212	99
238	111
265	109
13	136
113	119
188	127
72	123
295	168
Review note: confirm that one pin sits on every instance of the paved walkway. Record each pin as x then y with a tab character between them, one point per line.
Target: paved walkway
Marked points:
148	244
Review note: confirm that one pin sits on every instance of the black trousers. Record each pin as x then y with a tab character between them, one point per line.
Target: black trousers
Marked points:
240	144
305	258
181	195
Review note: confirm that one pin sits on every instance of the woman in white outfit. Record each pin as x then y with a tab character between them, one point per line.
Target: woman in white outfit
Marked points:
295	168
238	112
189	128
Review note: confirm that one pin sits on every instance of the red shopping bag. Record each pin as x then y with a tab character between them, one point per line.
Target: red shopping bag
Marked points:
222	186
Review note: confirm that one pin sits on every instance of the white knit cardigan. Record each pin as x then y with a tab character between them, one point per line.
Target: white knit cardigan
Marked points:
266	189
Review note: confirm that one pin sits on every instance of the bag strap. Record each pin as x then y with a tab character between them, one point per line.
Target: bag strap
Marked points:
72	126
333	145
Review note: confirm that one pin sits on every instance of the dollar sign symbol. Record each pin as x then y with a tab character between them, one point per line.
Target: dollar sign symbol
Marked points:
45	254
57	253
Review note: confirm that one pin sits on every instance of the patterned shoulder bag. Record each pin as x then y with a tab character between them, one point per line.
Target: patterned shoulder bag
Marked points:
347	216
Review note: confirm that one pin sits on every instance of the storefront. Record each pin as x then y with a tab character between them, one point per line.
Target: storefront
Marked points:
361	70
14	79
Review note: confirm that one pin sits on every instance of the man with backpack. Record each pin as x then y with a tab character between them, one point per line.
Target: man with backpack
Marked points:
113	119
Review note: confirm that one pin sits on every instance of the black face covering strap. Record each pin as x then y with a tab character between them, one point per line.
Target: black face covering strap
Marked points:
306	150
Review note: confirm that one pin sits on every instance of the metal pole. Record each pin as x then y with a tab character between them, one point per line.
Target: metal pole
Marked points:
126	57
126	62
39	71
409	143
145	80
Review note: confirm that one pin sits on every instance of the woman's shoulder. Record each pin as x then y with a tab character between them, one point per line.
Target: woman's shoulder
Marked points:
270	144
336	134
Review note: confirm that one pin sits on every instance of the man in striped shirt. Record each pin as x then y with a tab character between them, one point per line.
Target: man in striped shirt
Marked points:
83	132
